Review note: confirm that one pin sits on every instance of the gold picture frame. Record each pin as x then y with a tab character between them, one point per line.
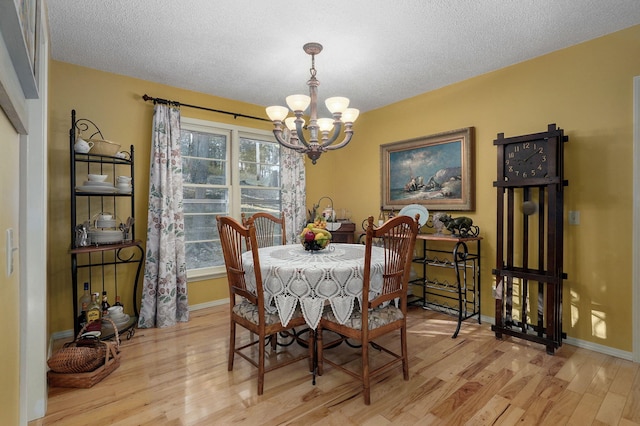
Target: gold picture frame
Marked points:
435	171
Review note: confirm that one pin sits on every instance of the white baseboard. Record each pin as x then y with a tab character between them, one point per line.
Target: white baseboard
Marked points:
581	344
208	304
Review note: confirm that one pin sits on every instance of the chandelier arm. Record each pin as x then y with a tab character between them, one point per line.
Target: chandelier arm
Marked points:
299	122
345	141
337	127
282	141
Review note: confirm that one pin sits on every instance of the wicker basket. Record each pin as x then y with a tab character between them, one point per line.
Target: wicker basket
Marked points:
78	359
82	363
87	380
103	147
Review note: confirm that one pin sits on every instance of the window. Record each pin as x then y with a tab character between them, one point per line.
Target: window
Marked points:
227	170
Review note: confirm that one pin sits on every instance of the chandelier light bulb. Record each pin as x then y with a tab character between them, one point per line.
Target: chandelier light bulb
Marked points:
337	104
298	102
277	113
290	122
350	115
325	124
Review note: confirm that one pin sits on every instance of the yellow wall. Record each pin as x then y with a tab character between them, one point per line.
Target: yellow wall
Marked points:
10	312
585	89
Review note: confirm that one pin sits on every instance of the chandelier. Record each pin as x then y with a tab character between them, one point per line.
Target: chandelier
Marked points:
291	135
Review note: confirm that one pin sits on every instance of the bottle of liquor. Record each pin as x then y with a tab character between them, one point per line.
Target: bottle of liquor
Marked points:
391	214
83	302
105	304
94	314
381	217
118	302
82	316
85	298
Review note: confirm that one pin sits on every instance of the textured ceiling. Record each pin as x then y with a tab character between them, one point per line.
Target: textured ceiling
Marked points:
376	52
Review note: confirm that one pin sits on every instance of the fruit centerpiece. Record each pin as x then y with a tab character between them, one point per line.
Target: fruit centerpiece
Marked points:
314	236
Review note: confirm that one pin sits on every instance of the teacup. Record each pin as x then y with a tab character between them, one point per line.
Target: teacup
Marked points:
123	154
124	179
81	146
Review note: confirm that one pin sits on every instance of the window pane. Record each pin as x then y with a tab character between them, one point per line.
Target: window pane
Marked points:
261	200
259	163
203	157
196	170
203	199
201	227
203	254
204	145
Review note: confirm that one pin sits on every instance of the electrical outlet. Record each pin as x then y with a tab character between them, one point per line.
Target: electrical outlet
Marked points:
574	218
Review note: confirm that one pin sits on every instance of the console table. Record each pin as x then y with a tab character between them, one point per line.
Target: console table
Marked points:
456	291
344	234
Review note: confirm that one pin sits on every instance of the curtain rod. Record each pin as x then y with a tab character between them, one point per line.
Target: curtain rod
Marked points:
235	114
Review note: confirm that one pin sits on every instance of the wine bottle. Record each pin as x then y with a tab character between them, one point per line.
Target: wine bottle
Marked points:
105	304
94	314
381	217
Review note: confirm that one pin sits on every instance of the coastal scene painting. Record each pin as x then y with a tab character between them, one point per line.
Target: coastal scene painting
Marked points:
434	171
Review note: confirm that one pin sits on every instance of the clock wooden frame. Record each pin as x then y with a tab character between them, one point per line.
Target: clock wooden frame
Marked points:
529	258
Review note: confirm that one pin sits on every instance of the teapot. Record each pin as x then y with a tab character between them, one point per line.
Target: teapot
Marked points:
81	146
329	214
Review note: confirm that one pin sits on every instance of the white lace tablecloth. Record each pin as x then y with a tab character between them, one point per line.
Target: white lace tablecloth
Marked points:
294	277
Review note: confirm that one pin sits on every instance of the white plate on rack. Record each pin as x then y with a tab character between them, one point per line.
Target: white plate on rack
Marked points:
105	236
95	188
413	209
119	322
105	223
94	183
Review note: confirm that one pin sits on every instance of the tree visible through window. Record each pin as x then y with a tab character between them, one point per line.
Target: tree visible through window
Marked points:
227	170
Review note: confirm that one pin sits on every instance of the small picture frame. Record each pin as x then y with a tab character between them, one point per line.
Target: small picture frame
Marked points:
435	171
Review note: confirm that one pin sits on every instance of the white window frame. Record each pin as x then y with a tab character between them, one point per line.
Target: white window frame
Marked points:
234	134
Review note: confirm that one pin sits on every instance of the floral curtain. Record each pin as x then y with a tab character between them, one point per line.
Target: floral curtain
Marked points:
164	294
293	182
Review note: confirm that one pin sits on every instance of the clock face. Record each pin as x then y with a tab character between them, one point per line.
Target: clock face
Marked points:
526	160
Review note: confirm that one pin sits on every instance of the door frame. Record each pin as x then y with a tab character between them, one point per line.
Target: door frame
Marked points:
635	259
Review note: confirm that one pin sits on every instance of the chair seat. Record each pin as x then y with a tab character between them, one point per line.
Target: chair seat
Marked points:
249	311
378	317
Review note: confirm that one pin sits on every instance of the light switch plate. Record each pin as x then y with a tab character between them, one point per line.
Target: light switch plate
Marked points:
574	218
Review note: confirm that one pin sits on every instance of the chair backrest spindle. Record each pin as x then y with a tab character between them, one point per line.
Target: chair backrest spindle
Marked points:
270	230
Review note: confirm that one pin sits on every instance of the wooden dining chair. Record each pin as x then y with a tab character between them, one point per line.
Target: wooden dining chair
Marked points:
250	311
379	315
270	230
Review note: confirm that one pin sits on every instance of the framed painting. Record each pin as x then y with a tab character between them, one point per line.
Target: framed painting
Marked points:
435	171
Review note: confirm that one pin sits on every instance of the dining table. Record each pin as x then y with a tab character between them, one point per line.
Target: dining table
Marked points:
293	278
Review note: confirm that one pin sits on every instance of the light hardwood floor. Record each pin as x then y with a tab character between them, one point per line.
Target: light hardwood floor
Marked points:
178	376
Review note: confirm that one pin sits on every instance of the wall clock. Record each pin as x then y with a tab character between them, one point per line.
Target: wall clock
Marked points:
530	189
526	160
